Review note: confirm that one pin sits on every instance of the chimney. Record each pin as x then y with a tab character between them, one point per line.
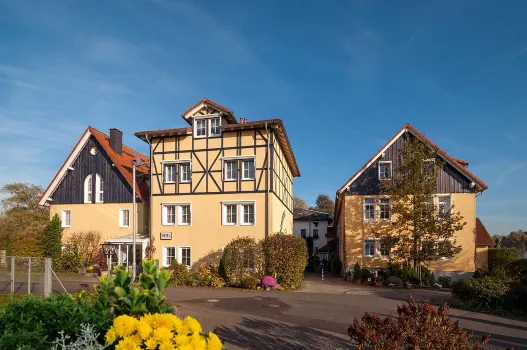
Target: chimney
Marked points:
243	120
116	140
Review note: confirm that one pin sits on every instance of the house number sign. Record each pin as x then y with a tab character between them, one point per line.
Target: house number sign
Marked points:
166	235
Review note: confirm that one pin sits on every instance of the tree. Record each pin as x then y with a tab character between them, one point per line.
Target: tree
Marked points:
20	214
420	230
516	239
325	204
299	203
51	238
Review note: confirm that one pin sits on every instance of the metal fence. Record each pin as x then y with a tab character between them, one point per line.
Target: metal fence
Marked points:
24	274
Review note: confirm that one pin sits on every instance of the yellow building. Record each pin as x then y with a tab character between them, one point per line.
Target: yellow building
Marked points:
218	179
361	210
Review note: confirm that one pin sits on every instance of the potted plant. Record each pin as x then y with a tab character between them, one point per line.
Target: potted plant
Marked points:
378	281
357	274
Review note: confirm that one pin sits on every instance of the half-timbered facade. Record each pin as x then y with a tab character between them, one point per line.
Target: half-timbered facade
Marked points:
361	209
217	179
92	191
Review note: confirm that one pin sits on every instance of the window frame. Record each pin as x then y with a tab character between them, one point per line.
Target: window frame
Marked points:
164	214
180	255
121	218
173	173
99	188
225	171
384	162
210	126
189	173
253	169
303	232
63	216
315	233
166	256
88	189
364	248
225	214
438	198
180	214
196	128
380	241
380	205
242	211
365	211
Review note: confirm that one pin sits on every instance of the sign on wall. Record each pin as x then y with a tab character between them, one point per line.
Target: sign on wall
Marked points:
166	236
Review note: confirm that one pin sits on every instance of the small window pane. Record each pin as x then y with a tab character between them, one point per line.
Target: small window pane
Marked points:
248	169
185	256
248	214
303	233
384	249
230	215
443	206
170	214
369	248
170	173
171	255
66	218
231	170
184	172
125	218
185	214
385	171
384	209
215	127
201	127
315	233
369	209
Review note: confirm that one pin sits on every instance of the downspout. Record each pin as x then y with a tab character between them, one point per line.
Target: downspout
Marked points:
150	198
268	133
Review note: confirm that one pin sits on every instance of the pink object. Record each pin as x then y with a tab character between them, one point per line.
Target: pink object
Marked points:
268	281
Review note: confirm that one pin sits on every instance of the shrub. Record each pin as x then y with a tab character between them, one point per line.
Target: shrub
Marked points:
249	282
86	339
241	256
517	270
69	261
396	281
167	330
365	274
418	326
409	275
336	265
444	281
87	245
312	263
268	281
357	275
120	296
500	257
484	294
217	282
286	257
427	277
51	238
28	245
180	274
36	322
480	273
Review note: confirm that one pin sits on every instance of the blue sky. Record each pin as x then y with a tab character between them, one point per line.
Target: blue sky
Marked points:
344	78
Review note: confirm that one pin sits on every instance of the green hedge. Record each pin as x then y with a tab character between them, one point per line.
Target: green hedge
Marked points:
518	270
286	257
241	257
483	294
499	258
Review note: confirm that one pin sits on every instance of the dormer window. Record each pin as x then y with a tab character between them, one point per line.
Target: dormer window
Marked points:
215	124
385	170
201	128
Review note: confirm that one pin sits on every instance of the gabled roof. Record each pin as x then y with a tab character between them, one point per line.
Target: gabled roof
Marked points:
308	214
483	237
205	102
123	162
461	166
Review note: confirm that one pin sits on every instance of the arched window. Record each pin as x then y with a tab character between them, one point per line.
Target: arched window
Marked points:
99	188
88	189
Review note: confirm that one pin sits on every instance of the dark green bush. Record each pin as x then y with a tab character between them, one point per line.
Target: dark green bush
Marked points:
312	263
482	294
36	322
286	258
365	274
517	270
180	274
336	265
69	261
249	282
445	281
357	272
427	277
394	280
241	256
480	273
499	258
516	296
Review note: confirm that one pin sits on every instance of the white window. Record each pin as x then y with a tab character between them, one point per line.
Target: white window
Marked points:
215	129
169	214
185	256
248	169
443	206
184	172
201	128
369	247
88	189
369	209
230	170
170	173
385	170
184	215
99	188
385	209
66	218
247	214
169	255
124	217
303	233
230	214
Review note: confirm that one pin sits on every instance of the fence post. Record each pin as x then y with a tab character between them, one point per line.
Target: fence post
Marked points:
29	277
47	277
12	275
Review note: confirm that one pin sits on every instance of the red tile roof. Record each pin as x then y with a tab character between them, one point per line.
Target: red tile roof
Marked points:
123	162
460	165
163	132
483	237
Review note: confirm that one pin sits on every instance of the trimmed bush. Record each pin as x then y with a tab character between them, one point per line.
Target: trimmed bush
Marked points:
286	257
518	270
336	266
51	238
483	294
499	258
249	282
180	274
240	257
69	261
357	272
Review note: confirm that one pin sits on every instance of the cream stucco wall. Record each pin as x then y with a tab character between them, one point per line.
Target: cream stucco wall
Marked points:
102	217
277	210
355	229
482	257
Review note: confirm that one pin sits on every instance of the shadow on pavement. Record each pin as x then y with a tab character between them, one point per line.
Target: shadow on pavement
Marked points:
262	334
493	323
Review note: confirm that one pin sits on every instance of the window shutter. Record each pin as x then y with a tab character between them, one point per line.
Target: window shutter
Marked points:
164	256
121	218
179	255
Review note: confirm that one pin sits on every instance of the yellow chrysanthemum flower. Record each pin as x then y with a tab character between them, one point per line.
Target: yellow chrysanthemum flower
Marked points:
165	320
214	342
182	339
151	344
111	336
127	344
186	347
177	323
136	338
162	334
124	325
166	346
150	320
143	329
192	324
198	342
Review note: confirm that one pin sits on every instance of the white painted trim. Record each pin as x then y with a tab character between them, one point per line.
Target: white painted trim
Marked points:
241	221
176	161
88	189
164	254
177	218
223	166
195	128
99	189
364	209
62	172
243	169
62	218
238	157
126	240
207	116
224	214
379	169
121	216
180	255
189	172
180	214
209	123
